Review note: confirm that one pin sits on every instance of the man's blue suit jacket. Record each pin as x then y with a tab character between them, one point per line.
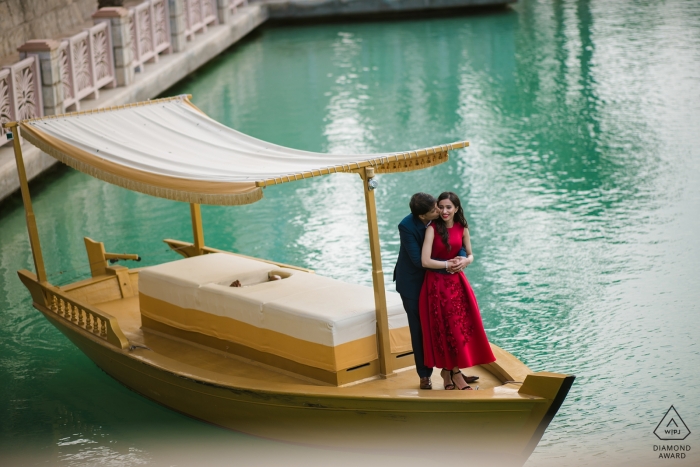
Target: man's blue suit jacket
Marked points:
409	272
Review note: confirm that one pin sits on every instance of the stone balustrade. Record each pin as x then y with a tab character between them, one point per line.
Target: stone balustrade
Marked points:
226	8
234	4
20	93
53	76
74	68
86	64
198	15
119	21
150	31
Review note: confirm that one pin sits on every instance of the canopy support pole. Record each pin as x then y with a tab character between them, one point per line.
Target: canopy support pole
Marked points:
386	369
197	230
28	210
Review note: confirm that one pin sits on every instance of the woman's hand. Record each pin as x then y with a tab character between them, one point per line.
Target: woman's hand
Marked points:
458	263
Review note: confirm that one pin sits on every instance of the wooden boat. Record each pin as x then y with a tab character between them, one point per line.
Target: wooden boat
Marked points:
316	361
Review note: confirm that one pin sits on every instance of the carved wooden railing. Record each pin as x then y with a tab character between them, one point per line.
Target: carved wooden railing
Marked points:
98	323
150	31
87	64
233	6
198	15
20	93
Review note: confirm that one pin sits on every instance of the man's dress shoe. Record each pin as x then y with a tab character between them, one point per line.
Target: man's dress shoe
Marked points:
425	383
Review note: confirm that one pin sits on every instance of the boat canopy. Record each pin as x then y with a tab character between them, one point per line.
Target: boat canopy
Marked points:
170	149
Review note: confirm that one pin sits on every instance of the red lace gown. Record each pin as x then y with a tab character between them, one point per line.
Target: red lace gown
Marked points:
453	334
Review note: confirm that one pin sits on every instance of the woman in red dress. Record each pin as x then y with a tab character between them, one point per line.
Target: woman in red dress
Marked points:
453	334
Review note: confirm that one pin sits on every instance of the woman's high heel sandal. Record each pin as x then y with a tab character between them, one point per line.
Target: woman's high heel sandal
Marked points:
448	386
467	379
452	375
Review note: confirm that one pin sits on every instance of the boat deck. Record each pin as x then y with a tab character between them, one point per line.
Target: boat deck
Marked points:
244	395
203	363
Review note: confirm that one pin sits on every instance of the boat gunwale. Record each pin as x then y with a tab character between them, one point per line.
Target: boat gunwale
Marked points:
316	391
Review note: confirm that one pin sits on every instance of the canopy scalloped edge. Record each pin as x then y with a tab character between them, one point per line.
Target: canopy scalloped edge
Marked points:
401	162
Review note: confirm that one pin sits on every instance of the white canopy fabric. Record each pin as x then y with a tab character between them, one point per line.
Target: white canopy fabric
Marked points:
170	149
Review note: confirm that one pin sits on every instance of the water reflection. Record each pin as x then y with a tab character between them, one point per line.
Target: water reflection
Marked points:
580	188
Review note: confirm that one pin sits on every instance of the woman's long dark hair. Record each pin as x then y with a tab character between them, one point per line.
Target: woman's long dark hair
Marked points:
440	226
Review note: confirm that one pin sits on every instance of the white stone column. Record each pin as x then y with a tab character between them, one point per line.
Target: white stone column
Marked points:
223	11
178	41
50	70
118	19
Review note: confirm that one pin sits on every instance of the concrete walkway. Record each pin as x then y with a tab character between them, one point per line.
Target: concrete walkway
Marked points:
158	77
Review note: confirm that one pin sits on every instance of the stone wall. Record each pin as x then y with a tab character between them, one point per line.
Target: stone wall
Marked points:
21	20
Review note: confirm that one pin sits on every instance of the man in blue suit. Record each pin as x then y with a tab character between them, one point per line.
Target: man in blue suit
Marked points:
409	272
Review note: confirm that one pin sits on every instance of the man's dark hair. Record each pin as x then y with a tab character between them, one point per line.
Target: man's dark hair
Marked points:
421	203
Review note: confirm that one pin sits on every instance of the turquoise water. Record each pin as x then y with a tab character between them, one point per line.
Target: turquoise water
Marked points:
581	187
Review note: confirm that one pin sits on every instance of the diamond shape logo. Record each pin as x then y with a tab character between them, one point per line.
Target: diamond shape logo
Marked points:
672	427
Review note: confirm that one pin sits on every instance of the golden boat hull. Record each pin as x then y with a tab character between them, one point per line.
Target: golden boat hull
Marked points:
501	423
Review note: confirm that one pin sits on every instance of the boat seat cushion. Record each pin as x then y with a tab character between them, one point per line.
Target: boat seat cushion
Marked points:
178	281
310	319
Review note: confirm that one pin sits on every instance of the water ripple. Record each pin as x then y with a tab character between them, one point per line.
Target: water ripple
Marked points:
580	188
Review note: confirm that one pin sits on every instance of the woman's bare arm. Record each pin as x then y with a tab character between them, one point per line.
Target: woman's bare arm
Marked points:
427	251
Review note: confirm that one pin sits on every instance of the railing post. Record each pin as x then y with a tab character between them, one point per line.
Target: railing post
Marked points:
121	42
223	10
178	41
46	51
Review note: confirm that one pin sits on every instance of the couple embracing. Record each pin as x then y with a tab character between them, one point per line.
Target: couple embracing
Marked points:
443	315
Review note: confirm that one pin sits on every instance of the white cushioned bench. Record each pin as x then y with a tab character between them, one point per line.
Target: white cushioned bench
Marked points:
309	319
